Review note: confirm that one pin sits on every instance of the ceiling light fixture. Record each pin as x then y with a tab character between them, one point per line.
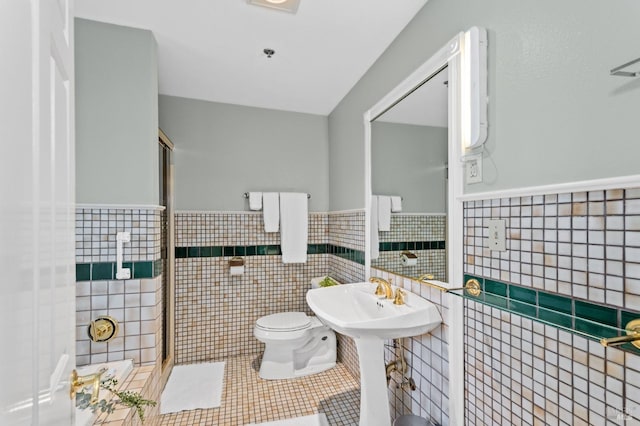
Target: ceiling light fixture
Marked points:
269	52
284	5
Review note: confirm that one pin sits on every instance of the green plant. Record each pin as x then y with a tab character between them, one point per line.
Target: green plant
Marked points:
328	282
127	398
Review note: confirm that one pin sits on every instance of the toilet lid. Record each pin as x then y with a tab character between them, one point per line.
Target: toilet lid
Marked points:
284	321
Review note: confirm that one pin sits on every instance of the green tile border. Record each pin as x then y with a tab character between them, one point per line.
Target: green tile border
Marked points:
266	250
106	270
412	245
579	316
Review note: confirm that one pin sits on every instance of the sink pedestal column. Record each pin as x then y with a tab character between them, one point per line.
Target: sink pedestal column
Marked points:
374	399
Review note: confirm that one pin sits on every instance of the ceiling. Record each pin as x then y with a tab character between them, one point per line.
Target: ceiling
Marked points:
426	106
213	49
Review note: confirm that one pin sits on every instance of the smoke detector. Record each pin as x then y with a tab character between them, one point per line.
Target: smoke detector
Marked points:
269	52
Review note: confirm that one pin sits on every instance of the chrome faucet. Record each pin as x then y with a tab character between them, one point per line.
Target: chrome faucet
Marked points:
384	287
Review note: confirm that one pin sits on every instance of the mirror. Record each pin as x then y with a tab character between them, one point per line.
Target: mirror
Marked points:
409	146
417	139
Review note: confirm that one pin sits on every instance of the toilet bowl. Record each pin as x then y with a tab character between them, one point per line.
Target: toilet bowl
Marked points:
295	345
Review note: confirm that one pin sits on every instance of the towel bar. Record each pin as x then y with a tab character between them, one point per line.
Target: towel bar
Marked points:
246	195
619	70
632	336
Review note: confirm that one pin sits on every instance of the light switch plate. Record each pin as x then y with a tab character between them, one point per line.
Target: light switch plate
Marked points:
497	234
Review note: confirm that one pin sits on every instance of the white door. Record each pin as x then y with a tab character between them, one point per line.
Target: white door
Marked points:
37	196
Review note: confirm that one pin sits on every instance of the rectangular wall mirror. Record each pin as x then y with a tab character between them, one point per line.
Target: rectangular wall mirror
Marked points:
416	140
409	156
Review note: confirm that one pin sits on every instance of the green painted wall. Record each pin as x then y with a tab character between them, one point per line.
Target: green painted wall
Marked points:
409	160
223	150
116	114
555	114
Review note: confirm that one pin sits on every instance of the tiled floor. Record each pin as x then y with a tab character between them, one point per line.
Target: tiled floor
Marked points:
246	398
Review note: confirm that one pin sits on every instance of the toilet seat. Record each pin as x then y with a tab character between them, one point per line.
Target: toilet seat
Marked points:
284	321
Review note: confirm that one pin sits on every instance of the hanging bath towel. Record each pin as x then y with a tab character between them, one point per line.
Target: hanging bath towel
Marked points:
294	222
384	213
375	237
270	211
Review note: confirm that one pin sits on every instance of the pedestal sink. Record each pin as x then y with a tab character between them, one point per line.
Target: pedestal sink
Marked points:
354	310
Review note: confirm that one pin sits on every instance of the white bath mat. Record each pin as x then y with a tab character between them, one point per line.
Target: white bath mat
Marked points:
313	420
193	386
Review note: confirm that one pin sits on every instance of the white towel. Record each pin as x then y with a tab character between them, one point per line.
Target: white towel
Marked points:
271	211
396	204
384	213
255	201
294	223
375	238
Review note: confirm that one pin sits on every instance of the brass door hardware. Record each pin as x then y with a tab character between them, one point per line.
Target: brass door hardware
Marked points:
103	329
79	382
633	336
426	277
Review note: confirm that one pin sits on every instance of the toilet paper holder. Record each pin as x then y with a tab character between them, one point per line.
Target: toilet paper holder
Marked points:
236	265
408	255
408	259
236	261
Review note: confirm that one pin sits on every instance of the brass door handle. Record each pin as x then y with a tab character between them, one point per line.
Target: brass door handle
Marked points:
77	383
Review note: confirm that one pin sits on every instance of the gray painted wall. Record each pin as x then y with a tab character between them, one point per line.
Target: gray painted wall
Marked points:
222	151
116	114
409	160
555	114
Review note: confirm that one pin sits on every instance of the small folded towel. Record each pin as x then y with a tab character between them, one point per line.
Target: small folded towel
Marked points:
271	211
375	238
396	204
255	201
384	213
294	227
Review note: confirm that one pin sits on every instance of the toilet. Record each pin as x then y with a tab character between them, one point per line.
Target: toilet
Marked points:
295	345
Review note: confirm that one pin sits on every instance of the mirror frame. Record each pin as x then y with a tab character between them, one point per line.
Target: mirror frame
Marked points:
465	57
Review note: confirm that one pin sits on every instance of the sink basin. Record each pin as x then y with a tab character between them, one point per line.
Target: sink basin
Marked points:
353	310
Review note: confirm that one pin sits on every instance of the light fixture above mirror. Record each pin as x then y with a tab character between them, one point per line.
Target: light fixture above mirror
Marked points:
473	87
283	5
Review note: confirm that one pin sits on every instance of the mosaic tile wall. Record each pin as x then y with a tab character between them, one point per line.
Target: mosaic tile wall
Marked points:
584	247
215	312
520	371
427	357
347	229
96	230
422	235
136	303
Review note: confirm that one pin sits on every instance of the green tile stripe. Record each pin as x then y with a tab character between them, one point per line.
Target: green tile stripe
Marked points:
107	270
265	250
413	245
586	318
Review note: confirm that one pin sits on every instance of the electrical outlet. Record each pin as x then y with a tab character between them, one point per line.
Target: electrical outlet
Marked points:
497	235
473	168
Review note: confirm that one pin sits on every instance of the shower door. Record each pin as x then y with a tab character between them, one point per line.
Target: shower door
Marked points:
166	243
